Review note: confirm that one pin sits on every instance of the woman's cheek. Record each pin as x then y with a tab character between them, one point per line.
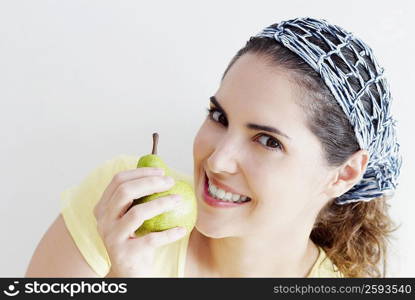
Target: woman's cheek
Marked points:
202	142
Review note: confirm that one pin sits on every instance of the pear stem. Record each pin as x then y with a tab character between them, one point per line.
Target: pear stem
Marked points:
155	142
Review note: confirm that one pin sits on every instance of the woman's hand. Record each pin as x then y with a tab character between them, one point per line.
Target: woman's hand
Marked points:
132	256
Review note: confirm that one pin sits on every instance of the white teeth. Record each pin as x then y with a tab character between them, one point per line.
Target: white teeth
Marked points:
235	197
213	188
225	196
220	193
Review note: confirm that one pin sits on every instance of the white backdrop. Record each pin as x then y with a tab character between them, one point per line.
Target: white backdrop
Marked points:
84	81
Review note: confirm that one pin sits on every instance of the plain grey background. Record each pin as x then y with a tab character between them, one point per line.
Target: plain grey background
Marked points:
84	81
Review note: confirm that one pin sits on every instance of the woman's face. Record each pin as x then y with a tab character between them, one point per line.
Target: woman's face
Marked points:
284	176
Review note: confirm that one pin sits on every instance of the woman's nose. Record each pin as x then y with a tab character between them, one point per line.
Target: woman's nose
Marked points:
224	158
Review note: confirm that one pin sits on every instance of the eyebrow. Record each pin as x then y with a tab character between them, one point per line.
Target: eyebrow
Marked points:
252	125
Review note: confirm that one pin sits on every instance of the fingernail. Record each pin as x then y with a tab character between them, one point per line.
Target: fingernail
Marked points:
180	230
160	171
177	199
168	179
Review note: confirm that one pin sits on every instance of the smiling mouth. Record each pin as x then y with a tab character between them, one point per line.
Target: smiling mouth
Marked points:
214	197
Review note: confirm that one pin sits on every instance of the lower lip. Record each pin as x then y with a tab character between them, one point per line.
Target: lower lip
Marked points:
216	202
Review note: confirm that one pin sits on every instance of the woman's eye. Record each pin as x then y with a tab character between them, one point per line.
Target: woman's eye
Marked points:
270	144
213	112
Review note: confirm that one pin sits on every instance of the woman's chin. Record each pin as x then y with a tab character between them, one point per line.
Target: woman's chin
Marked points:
211	232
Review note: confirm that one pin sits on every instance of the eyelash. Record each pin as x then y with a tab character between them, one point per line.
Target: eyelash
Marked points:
210	112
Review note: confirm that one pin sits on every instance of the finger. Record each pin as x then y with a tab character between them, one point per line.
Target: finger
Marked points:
157	239
120	178
134	189
139	213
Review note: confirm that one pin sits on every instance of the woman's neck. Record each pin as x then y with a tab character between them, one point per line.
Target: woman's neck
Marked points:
283	256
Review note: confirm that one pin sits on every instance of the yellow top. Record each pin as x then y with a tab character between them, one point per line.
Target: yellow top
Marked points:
77	205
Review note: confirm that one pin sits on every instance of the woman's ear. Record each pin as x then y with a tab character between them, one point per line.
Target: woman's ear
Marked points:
348	174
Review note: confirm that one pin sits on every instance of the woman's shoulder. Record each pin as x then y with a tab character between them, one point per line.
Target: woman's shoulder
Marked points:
125	161
77	204
324	267
122	162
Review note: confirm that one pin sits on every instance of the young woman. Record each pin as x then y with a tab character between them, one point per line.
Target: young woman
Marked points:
293	168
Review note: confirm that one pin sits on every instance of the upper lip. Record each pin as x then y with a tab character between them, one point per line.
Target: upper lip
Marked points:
223	186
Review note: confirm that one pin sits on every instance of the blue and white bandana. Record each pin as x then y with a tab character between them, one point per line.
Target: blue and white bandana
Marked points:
379	137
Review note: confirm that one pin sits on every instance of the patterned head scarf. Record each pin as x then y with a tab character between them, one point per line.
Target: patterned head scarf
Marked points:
374	131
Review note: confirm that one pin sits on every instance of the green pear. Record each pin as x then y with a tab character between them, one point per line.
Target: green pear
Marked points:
183	215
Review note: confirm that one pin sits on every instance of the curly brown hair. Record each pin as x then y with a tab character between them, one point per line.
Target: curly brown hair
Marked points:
354	236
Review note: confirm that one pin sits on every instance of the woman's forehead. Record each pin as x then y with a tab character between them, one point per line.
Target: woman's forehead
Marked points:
260	94
252	76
